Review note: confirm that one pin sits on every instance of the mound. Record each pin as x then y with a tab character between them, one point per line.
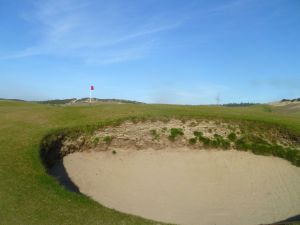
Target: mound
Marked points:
203	134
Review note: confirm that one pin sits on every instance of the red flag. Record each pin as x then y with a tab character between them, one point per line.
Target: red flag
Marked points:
92	87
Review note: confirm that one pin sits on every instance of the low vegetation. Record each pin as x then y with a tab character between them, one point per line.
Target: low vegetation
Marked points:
261	147
174	133
232	136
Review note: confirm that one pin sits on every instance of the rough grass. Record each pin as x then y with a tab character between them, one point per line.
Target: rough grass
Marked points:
260	146
29	196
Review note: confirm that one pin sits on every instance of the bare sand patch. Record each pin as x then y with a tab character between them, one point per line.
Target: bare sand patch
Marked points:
190	187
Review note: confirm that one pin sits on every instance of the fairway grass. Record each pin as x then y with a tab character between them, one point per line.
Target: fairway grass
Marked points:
28	195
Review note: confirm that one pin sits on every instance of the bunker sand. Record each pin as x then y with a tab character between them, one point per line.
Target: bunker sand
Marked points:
189	187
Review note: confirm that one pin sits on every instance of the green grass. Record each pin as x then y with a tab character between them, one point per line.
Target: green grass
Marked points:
220	142
198	134
29	196
260	146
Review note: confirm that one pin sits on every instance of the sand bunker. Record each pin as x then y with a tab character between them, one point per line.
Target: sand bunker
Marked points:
184	172
192	187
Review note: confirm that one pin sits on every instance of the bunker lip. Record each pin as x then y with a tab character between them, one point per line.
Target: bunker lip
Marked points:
192	136
261	139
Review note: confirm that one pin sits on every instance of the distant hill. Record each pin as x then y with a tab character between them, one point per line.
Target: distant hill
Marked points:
58	101
285	102
74	101
12	99
291	100
242	104
287	105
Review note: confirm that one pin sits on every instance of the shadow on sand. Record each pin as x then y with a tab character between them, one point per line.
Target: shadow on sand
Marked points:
294	220
58	171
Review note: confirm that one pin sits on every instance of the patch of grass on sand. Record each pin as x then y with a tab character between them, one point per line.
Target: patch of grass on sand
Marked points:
174	133
261	147
231	136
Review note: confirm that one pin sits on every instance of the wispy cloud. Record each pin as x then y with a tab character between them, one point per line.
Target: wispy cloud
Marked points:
84	30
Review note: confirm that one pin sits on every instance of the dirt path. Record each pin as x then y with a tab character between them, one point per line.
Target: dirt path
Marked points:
191	187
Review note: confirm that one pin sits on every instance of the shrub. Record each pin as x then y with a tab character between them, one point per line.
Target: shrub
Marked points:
232	136
107	139
114	152
174	132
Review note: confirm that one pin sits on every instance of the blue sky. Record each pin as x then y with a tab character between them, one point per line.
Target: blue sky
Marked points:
156	51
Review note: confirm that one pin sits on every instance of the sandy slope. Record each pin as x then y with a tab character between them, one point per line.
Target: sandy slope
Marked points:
190	186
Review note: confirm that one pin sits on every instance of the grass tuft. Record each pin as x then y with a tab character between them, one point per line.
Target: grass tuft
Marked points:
198	134
231	136
174	133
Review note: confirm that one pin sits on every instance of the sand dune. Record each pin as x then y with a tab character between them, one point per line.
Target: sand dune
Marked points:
190	187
